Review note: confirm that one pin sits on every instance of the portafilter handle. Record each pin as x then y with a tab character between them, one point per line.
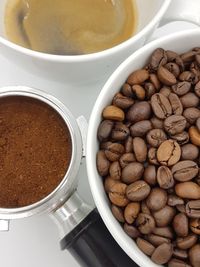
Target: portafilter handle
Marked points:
86	237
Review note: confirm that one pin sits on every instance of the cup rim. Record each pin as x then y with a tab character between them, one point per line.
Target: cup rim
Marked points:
95	184
93	56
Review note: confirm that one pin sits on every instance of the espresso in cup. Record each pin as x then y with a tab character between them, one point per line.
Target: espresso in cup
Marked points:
70	27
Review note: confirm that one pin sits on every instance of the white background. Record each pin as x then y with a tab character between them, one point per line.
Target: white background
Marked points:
35	241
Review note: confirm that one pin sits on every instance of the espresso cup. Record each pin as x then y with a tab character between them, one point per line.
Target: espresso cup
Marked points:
90	68
180	43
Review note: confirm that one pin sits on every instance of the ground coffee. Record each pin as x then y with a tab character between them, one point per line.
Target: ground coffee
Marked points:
35	151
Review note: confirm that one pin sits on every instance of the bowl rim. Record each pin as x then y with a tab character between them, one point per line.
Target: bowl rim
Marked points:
100	199
93	56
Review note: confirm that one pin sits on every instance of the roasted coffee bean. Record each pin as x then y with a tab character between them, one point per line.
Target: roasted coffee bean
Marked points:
139	111
177	107
155	137
180	254
113	113
188	190
191	114
181	138
174	57
108	183
194	136
138	91
122	101
114	151
128	145
104	130
157	240
194	255
149	89
115	170
145	223
103	163
117	195
162	253
120	132
165	178
127	90
152	156
169	153
105	145
146	247
174	124
177	263
154	80
185	170
164	216
138	77
140	149
186	242
165	76
118	213
173	68
193	209
157	199
198	124
164	232
165	90
195	226
173	200
132	172
181	208
131	230
150	175
181	88
189	152
158	58
138	191
188	56
157	123
131	212
161	106
140	128
189	77
197	89
190	100
180	225
126	159
144	208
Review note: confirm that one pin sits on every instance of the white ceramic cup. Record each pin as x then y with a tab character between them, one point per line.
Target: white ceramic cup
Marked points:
179	42
85	69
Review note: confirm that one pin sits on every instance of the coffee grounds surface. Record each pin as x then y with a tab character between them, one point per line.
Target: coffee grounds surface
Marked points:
35	151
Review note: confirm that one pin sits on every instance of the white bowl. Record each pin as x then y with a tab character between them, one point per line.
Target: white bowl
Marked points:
179	42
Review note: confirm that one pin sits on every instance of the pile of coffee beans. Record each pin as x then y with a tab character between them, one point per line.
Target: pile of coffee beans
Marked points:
149	157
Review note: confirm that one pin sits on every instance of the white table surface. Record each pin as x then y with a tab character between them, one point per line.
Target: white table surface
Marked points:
35	241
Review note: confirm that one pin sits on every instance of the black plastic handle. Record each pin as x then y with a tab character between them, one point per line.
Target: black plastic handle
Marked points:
93	246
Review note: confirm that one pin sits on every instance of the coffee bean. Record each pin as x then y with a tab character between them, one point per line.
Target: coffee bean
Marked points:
162	253
198	124
181	138
164	216
194	255
188	56
114	151
139	111
174	57
191	114
180	254
197	89
164	232
115	170
188	190
181	208
193	209
128	145
122	101
131	212
165	178
144	208
103	164
146	247
189	77
126	159
173	68
104	130
189	100
173	200
189	152
149	89
185	170
145	223
117	195
127	90
186	242
138	91
174	124
180	225
138	77
165	76
195	226
177	263
158	58
157	199
157	123
161	106
177	107
150	175
105	145
152	156
140	128
194	136
140	149
113	113
120	132
132	172
157	240
181	88
118	213
108	183
131	230
155	137
155	81
165	90
138	191
169	153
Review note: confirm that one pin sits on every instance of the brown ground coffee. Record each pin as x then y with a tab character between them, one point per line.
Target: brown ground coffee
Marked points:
35	151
